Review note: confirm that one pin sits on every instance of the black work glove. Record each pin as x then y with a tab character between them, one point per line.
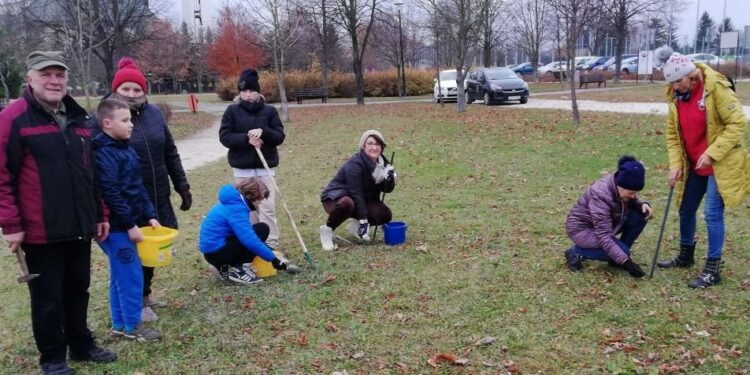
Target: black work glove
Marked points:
187	198
633	268
279	264
364	229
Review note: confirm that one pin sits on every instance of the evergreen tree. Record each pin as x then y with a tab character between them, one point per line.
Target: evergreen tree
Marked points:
659	31
704	32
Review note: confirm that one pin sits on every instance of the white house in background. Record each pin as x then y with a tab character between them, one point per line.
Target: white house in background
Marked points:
209	11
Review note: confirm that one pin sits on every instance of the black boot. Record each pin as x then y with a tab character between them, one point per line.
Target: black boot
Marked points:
710	275
573	260
684	260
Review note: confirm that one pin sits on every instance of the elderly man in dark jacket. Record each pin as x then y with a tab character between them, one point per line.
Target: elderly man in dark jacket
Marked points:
49	207
610	206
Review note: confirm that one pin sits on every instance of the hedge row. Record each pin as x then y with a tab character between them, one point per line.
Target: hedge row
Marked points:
340	84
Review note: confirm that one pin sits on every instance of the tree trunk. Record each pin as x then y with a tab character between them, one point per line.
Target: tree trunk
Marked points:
359	80
461	95
576	117
278	58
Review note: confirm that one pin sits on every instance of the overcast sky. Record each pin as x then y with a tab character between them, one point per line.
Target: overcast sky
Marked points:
736	10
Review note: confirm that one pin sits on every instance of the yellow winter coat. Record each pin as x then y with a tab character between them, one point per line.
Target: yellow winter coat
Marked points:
726	128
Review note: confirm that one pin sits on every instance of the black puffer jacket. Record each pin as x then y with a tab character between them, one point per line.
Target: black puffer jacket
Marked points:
354	179
159	159
241	117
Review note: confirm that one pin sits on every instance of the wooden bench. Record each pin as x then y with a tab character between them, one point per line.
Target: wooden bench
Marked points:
311	93
592	78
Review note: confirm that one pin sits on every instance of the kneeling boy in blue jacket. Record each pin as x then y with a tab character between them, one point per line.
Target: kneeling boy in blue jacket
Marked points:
228	240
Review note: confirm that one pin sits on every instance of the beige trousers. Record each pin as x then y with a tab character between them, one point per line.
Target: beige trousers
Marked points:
266	212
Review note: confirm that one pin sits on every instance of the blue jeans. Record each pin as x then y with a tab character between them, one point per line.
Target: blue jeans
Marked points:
631	229
695	188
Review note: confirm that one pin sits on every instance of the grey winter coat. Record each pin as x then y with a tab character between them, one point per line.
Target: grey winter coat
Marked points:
598	216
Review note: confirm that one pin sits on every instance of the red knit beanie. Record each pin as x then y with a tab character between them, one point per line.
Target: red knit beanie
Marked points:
127	71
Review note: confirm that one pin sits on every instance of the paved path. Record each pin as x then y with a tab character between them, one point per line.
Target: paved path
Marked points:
204	147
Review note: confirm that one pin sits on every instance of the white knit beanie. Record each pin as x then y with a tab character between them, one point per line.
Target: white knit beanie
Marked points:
675	65
371	133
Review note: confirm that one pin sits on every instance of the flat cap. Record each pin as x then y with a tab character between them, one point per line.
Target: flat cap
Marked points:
39	60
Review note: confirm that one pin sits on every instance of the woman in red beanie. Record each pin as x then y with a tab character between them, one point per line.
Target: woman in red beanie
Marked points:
160	161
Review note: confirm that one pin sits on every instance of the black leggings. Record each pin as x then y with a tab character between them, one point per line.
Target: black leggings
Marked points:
343	208
234	253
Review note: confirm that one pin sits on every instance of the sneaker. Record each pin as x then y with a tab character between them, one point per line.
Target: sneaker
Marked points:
152	302
242	276
326	238
353	228
143	334
117	333
223	272
60	368
705	280
96	355
573	261
148	315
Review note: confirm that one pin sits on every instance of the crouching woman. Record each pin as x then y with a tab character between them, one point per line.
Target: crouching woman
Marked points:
228	240
610	206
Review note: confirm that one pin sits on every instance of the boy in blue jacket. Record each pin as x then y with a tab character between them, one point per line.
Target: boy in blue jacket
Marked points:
119	177
228	239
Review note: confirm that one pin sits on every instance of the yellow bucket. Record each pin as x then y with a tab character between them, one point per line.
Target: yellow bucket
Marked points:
156	248
263	268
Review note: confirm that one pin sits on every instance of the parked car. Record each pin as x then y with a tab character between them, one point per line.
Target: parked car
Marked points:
555	66
447	90
580	60
495	85
525	68
628	66
706	58
611	62
591	63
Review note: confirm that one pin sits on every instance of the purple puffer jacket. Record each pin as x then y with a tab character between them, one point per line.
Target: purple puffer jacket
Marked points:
598	215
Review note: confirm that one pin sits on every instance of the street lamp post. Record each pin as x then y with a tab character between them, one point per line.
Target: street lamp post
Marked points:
402	93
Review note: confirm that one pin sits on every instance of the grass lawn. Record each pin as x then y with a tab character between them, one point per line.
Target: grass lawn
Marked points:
185	124
485	195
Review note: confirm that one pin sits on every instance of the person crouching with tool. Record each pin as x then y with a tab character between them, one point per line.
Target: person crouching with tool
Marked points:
355	191
610	206
228	240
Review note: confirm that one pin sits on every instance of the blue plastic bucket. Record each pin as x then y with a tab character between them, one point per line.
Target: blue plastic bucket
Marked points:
395	233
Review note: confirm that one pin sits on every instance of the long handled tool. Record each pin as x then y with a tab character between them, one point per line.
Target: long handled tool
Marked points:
661	232
288	213
25	275
382	199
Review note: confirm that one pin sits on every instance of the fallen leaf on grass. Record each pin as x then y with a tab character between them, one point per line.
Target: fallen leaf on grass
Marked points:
668	368
485	341
511	366
402	366
331	327
329	279
302	340
702	334
450	358
358	355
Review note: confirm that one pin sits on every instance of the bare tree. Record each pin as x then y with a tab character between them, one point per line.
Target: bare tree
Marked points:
281	26
387	43
12	49
458	19
530	24
490	26
122	24
620	14
357	18
320	12
575	15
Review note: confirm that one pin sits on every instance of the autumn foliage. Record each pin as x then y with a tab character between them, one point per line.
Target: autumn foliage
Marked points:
236	47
